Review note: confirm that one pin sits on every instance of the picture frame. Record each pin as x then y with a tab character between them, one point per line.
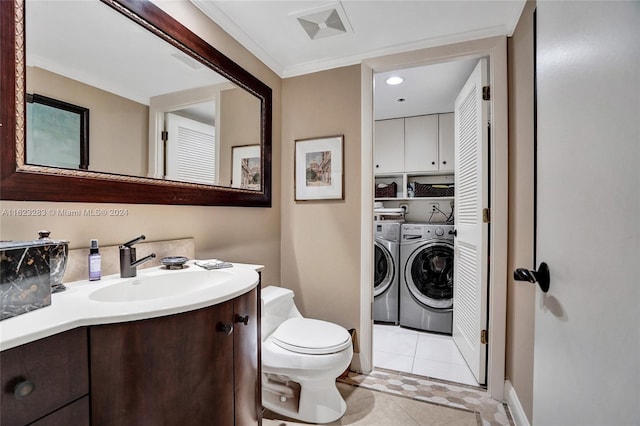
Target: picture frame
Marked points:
245	167
57	133
318	168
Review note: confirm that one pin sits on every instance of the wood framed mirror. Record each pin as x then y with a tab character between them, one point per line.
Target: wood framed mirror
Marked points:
151	181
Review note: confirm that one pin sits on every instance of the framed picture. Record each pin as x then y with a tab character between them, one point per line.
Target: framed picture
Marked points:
319	169
57	133
245	167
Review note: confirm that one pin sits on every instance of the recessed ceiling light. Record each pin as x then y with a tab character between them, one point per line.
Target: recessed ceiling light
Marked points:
395	80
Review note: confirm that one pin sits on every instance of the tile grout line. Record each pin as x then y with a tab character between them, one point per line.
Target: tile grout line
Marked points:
415	351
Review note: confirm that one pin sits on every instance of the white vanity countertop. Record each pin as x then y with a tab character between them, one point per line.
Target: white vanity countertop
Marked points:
74	307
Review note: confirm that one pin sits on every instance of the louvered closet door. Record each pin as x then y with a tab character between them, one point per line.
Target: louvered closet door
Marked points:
191	151
470	249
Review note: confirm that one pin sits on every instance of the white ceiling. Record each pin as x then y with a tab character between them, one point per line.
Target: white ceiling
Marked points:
271	31
428	89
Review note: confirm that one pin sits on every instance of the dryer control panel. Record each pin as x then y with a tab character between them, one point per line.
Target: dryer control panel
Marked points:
389	231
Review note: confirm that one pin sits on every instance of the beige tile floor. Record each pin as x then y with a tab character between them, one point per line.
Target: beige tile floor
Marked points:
367	407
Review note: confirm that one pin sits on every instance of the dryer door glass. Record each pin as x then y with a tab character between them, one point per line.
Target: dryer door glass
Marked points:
383	269
431	275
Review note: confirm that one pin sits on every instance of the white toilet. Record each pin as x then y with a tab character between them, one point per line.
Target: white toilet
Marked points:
301	359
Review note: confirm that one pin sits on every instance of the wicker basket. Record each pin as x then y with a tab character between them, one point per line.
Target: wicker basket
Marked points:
424	190
386	190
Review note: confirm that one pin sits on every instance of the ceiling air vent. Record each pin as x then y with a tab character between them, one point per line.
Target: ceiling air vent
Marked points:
328	21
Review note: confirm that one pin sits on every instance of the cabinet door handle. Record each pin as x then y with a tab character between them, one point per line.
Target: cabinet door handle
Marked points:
242	319
23	389
224	328
444	162
433	163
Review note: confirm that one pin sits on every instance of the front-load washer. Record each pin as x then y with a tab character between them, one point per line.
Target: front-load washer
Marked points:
426	277
386	271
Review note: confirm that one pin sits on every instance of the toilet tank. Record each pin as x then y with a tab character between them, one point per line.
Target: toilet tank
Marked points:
277	306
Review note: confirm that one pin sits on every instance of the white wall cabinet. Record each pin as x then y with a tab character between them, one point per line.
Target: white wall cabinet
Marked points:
420	144
445	143
389	146
413	149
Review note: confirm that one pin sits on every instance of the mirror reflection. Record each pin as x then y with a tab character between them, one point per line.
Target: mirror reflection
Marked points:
154	110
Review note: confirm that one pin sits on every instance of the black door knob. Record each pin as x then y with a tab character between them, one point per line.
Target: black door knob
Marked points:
541	276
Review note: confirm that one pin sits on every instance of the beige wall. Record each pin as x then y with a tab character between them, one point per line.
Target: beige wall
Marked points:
321	239
237	234
120	148
521	296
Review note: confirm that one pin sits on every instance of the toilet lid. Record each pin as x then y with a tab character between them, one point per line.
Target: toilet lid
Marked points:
311	336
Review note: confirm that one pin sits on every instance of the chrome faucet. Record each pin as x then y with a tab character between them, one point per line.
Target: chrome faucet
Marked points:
128	262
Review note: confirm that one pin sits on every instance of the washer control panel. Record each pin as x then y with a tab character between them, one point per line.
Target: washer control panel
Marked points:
423	231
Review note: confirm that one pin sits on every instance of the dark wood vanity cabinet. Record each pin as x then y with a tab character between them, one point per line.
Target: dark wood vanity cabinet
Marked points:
193	368
46	381
246	361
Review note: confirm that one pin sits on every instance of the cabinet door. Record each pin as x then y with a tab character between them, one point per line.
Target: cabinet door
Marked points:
421	143
446	142
76	414
56	366
172	370
247	363
388	155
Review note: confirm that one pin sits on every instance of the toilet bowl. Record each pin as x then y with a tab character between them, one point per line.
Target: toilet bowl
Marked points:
301	359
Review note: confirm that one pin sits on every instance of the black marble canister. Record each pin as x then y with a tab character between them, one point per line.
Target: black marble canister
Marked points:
25	277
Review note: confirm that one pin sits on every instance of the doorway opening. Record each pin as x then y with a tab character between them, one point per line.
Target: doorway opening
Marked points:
495	50
417	326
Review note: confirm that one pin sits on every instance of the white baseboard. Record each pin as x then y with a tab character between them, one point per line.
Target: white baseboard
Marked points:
517	412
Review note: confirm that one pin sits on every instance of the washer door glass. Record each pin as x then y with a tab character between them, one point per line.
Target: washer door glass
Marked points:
429	275
383	269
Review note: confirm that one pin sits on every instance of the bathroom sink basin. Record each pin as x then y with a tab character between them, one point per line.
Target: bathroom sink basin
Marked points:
157	286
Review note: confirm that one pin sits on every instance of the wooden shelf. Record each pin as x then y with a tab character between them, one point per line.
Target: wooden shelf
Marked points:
402	179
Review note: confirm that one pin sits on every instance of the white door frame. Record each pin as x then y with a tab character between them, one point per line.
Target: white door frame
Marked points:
495	48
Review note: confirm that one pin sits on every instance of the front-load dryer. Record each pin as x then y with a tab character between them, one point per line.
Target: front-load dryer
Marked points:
386	271
426	277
